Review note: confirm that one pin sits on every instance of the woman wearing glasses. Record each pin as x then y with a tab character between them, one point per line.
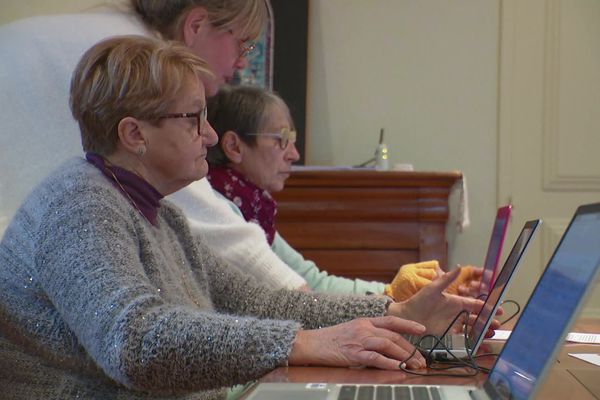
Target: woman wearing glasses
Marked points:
38	58
106	293
253	158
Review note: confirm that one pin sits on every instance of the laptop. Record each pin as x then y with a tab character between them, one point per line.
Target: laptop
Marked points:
461	346
492	257
529	352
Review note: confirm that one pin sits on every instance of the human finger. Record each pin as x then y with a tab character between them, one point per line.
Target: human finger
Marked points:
469	289
399	325
385	353
472	305
439	272
392	328
446	279
495	324
476	272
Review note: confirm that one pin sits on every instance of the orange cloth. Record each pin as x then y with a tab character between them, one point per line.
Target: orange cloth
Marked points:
467	274
410	278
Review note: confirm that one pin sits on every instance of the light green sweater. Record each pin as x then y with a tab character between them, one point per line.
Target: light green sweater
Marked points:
319	281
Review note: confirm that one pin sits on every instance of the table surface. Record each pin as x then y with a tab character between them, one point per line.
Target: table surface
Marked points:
569	377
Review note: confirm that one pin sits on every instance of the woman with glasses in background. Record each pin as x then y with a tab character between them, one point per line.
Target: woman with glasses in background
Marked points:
106	292
254	157
39	55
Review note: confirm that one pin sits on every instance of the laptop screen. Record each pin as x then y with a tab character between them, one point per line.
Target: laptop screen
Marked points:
492	258
551	307
493	298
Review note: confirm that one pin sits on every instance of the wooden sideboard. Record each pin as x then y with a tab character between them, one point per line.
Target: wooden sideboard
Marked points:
365	223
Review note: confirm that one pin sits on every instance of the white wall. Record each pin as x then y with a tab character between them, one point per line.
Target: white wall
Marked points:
427	71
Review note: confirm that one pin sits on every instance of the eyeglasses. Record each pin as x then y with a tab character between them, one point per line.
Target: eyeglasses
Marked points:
244	49
285	137
200	118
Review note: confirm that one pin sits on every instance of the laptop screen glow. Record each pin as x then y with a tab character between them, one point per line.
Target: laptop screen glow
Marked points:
551	307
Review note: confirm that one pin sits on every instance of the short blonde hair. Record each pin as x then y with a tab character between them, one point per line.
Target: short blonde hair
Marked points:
127	76
166	16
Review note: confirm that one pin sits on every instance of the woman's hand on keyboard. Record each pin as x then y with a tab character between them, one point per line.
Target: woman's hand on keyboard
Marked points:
433	308
372	342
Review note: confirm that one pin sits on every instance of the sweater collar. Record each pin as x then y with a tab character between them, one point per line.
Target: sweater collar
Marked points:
256	204
142	195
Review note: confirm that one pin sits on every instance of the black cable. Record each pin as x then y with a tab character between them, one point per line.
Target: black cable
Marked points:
514	314
448	365
455	362
439	339
364	164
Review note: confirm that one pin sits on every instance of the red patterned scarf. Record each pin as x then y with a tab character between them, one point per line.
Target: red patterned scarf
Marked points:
257	205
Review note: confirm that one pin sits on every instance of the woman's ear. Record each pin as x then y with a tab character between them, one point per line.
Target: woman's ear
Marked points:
232	147
131	137
194	25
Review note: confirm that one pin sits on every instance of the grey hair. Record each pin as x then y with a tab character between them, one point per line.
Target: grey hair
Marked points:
241	109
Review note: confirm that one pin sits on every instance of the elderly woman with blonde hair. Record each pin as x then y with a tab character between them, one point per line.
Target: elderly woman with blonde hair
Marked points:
106	293
39	55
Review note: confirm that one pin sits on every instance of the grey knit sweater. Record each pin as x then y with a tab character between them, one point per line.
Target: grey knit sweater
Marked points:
95	302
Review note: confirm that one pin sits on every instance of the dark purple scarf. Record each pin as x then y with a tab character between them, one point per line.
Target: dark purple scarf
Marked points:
145	198
257	205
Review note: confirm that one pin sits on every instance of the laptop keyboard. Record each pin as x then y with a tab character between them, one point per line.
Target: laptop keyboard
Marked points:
388	392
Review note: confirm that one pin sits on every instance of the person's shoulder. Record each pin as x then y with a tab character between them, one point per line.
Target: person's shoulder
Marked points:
69	184
70	28
70	179
196	198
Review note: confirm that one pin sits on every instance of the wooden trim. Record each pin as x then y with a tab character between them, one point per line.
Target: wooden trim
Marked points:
366	223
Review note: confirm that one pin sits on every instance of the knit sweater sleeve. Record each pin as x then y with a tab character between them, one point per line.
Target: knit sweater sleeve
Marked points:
235	292
140	334
240	243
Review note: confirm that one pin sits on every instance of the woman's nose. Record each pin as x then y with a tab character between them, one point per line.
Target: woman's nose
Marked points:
292	152
210	136
241	62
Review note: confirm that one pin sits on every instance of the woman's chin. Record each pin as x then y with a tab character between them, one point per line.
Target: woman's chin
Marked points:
278	187
202	169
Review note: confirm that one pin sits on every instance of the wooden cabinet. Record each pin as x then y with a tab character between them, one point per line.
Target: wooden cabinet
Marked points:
363	223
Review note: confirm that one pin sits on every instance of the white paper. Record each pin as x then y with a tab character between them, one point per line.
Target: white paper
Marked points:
501	335
588	357
573	337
